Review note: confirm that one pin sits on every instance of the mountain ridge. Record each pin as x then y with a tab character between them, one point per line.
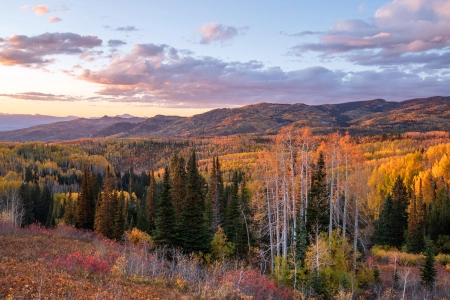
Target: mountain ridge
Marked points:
374	116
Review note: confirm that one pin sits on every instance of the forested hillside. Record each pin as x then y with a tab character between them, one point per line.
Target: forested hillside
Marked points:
324	216
360	118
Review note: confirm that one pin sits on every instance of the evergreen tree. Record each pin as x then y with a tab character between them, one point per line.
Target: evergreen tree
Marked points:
104	216
383	234
50	222
69	213
28	204
415	233
216	197
178	183
85	209
165	217
400	214
439	219
119	217
233	224
44	205
143	222
318	207
393	220
193	234
151	202
428	273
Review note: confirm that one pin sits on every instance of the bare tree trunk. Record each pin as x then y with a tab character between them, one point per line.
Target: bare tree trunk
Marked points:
269	218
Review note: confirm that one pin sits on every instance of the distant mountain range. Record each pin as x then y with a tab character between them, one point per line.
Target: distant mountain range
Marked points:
362	117
18	121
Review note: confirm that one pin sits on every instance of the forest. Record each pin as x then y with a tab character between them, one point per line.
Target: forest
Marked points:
312	216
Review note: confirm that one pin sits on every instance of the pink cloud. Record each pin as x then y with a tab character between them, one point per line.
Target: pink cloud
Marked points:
215	32
41	9
54	19
24	7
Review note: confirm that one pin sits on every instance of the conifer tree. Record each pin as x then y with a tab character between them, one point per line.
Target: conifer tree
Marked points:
216	196
28	204
317	211
400	214
85	209
104	216
119	217
178	183
69	213
193	234
233	223
44	205
151	202
428	273
143	222
383	233
439	219
165	217
415	233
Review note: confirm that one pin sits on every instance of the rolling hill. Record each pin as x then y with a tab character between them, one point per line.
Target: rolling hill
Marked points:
362	117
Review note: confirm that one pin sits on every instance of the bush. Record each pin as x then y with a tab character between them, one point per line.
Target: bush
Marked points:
444	259
386	255
87	264
138	237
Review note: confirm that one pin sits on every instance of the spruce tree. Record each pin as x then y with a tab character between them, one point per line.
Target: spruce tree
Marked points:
233	224
28	204
119	217
318	207
143	222
151	202
415	233
400	214
44	205
165	217
85	209
69	213
383	233
193	234
104	216
428	273
216	197
178	179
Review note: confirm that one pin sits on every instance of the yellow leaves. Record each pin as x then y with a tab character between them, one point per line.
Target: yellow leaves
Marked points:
137	237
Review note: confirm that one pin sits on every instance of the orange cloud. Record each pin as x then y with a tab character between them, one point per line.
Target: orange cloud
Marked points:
41	9
54	19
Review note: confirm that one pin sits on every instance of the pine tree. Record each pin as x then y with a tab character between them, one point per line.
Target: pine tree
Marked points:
104	216
318	207
428	273
233	224
85	209
28	204
151	202
165	217
383	233
400	214
143	222
193	234
44	205
178	183
69	213
119	217
216	197
415	233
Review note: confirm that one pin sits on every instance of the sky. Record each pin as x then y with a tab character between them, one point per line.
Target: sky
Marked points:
178	57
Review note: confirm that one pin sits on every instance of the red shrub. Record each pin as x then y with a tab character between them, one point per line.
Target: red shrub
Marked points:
250	282
77	261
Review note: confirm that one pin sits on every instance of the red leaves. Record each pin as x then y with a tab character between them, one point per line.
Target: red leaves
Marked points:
251	282
76	261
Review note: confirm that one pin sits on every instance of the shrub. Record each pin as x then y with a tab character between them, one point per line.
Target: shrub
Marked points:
444	259
137	237
87	264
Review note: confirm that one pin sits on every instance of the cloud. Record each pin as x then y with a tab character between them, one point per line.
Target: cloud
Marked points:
126	28
41	9
54	19
215	32
401	30
116	43
302	33
163	76
24	7
38	50
41	97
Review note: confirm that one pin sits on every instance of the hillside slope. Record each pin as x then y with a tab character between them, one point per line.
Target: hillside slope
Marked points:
362	117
